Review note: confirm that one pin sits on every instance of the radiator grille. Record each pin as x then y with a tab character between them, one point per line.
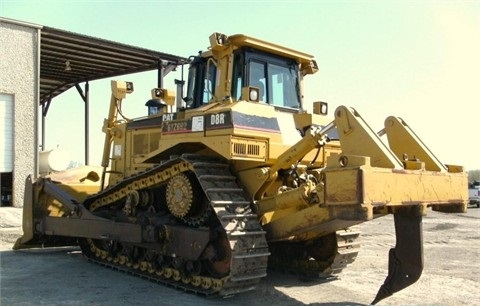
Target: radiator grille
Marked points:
247	148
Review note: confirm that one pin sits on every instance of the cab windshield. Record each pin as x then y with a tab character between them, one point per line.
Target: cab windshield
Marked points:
277	78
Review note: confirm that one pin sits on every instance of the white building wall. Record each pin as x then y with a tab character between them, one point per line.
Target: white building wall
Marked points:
19	78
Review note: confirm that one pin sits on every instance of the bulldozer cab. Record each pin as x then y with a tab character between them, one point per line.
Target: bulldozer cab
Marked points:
257	76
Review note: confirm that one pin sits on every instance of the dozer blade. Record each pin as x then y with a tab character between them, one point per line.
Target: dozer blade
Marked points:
27	218
405	261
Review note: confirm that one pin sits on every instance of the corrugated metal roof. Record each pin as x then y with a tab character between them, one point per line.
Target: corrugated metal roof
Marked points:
91	59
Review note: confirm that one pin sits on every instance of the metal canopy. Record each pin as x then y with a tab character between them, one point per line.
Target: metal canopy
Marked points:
68	58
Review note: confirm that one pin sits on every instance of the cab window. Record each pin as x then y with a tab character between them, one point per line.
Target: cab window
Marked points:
200	85
276	78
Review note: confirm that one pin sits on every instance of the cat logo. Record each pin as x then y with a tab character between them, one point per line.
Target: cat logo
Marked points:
167	117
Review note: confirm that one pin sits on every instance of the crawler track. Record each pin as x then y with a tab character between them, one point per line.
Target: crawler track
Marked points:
322	258
232	216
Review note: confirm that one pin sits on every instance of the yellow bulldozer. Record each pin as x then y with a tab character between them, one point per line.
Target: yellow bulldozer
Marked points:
209	191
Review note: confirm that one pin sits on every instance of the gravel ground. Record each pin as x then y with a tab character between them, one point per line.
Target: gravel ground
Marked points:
61	276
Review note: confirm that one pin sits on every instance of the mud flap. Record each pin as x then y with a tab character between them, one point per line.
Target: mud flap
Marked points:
405	262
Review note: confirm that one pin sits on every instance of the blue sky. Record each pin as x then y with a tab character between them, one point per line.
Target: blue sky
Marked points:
419	60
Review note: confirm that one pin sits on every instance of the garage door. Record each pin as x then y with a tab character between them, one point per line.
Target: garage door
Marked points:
6	133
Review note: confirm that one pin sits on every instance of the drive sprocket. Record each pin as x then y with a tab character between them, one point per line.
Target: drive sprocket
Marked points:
180	195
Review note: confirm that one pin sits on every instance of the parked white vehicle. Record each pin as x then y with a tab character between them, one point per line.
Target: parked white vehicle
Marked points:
474	193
